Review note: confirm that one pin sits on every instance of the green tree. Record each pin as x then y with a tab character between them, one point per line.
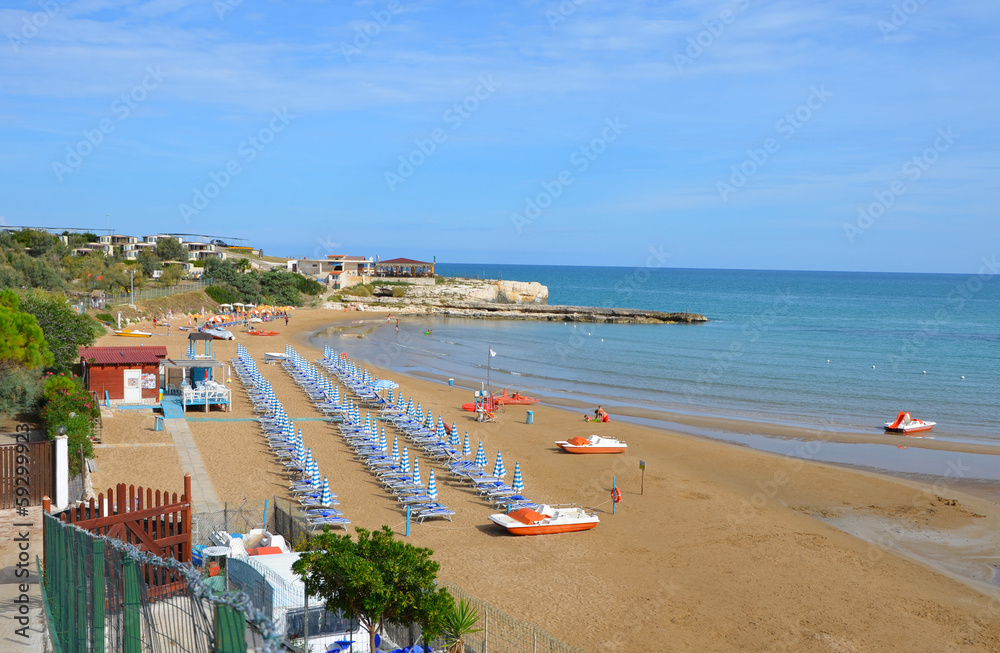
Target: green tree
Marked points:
244	265
63	329
169	249
171	275
148	262
376	580
22	342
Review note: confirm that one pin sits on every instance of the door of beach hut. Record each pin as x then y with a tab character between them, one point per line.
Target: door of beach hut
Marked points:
133	386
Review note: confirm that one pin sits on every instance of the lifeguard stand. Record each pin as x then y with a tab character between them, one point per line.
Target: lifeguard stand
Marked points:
192	351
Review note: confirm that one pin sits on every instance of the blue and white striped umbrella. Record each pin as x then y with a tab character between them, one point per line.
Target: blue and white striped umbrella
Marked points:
317	480
466	447
498	468
324	498
388	396
416	471
395	448
518	483
404	462
382	444
480	460
454	440
432	488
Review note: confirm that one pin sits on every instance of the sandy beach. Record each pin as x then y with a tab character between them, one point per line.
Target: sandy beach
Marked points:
726	548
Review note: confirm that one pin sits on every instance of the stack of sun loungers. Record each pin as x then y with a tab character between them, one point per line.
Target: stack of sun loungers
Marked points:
410	422
310	489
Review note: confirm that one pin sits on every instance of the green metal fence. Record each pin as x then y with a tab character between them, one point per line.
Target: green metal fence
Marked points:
118	299
101	594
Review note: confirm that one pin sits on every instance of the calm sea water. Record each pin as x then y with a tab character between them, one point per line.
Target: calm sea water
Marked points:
820	348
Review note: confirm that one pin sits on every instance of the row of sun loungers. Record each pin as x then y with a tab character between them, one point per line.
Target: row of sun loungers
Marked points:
393	472
318	504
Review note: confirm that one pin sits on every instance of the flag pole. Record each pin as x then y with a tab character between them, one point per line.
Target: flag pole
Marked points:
489	390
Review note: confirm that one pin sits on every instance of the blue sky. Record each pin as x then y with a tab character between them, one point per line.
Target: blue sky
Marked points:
847	135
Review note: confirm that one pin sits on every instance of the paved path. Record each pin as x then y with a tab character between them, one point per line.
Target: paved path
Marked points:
203	497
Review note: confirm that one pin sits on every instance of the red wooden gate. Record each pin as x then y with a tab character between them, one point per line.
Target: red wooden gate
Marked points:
157	522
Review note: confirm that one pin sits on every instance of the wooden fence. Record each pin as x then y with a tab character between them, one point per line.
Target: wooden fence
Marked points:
27	470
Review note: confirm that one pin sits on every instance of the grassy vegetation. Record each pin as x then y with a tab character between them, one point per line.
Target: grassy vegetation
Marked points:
361	290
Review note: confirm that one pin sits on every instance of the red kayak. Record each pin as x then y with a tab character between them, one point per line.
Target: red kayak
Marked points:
262	333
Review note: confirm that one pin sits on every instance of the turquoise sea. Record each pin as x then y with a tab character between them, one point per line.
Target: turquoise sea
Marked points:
824	349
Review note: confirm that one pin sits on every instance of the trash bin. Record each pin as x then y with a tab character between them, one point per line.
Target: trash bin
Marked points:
158	425
451	381
531	417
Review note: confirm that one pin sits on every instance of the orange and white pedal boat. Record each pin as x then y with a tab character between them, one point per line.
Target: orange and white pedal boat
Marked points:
546	520
593	444
905	424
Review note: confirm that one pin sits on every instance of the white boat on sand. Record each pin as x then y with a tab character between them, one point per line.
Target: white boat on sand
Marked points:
592	444
546	520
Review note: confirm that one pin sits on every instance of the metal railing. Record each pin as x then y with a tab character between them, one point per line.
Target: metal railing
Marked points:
101	594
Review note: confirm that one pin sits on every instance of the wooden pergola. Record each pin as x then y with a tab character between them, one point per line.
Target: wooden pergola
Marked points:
404	267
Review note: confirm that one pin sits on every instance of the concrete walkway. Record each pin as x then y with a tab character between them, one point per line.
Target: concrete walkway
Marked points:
203	497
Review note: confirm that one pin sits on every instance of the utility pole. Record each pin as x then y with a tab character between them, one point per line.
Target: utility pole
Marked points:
132	293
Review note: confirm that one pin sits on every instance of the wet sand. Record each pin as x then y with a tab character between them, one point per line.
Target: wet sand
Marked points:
726	549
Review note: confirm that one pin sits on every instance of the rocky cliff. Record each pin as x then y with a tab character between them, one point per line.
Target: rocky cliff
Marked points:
504	300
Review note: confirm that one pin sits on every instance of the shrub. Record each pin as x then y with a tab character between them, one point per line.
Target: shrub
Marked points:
105	317
71	407
399	292
223	293
361	290
20	390
309	286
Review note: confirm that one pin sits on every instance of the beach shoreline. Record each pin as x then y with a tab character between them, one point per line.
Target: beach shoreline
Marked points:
726	550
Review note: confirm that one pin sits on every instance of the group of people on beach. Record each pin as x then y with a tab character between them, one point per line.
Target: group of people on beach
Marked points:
600	415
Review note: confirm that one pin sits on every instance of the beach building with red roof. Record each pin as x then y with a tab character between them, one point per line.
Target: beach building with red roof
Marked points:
128	375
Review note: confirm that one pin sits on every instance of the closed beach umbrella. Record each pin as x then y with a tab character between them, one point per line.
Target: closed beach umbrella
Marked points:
404	462
324	497
466	447
454	440
416	472
432	488
480	460
498	468
395	448
518	483
382	444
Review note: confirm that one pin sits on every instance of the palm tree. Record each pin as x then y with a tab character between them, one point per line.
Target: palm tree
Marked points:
459	620
244	266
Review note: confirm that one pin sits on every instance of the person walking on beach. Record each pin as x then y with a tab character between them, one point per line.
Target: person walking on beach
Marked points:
286	319
397	324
